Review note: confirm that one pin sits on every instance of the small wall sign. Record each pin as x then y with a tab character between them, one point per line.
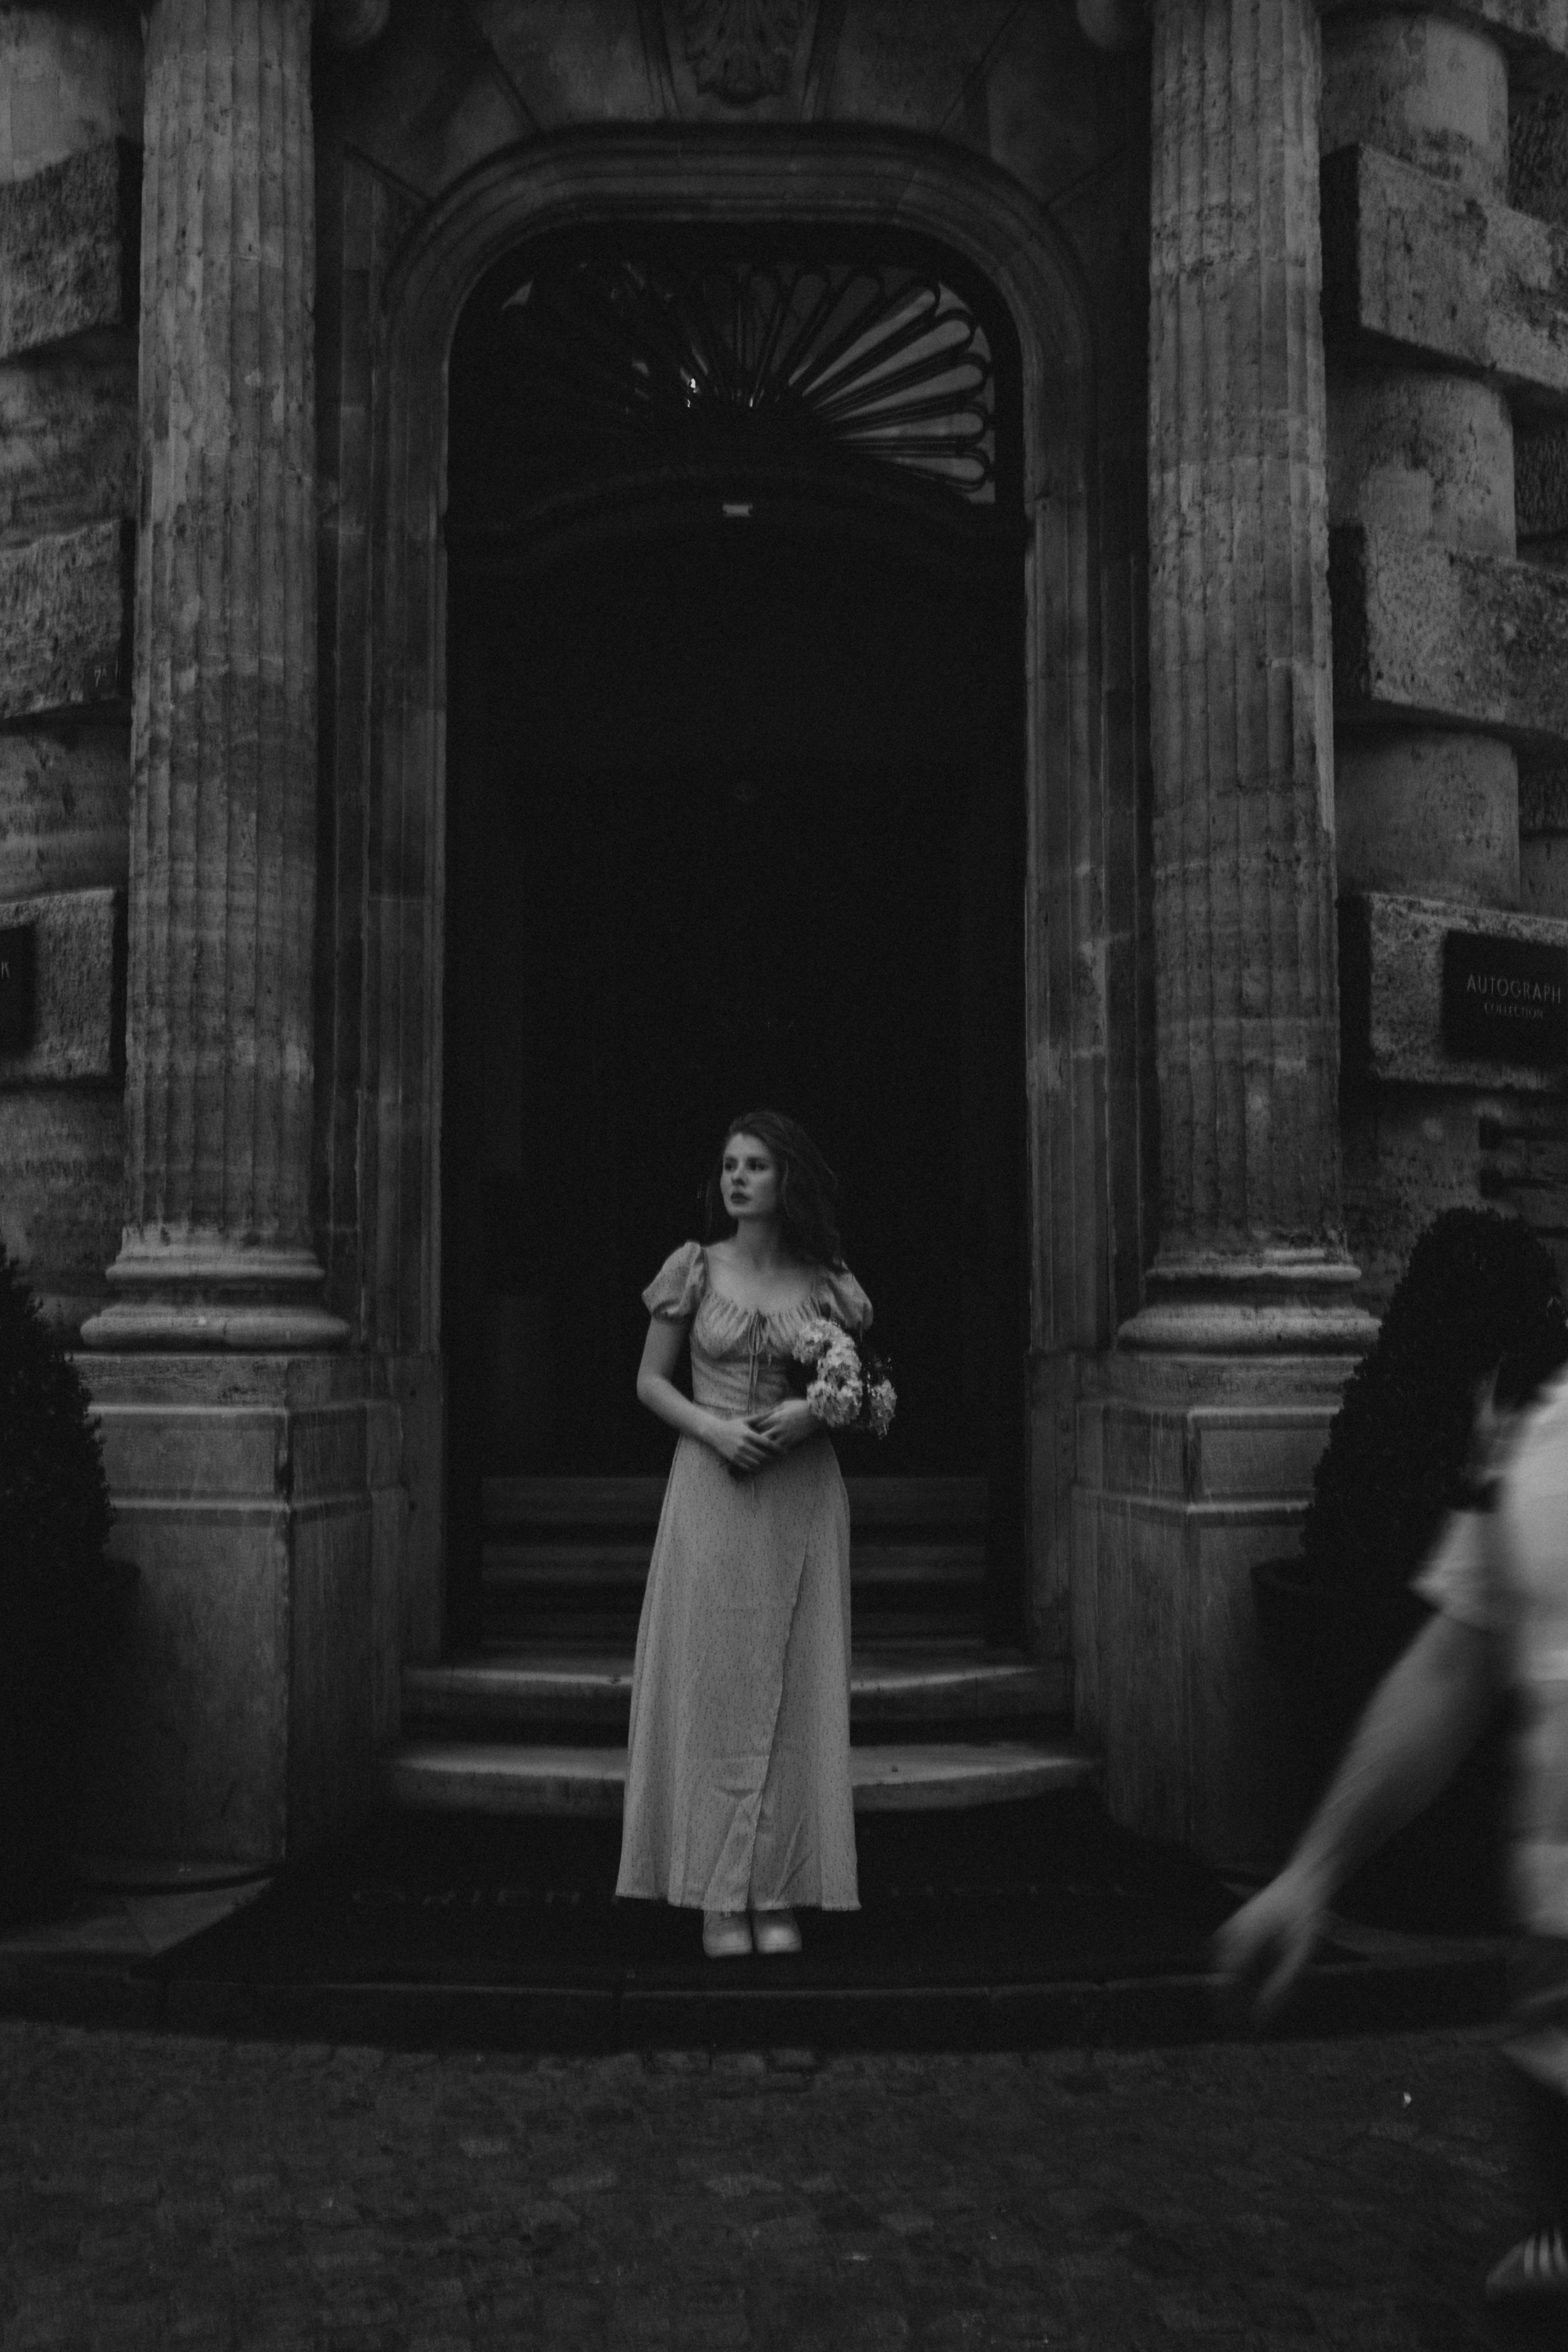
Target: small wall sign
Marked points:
1505	1000
16	988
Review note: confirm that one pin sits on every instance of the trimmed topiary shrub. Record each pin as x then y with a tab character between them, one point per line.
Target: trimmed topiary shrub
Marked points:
54	1520
1479	1295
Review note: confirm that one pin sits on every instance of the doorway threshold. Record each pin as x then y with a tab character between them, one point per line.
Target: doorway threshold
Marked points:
1024	1925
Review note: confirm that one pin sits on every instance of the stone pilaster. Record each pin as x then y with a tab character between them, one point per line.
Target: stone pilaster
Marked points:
1250	1253
216	1249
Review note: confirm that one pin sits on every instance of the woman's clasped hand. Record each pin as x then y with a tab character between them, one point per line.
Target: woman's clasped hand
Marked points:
743	1446
789	1424
749	1446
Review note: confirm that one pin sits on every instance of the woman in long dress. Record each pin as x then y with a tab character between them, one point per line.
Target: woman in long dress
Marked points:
738	1793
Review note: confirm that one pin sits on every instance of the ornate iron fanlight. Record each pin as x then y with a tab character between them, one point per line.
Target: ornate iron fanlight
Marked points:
603	366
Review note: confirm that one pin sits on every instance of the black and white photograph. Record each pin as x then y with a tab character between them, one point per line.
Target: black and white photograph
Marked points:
784	1175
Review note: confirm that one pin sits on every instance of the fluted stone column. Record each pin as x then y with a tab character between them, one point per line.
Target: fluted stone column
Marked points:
216	1247
1250	1253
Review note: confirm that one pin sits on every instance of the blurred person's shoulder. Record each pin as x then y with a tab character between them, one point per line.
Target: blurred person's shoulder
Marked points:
1535	1476
1542	1432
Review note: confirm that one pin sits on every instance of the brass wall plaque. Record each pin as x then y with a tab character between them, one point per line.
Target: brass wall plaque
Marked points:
1504	1000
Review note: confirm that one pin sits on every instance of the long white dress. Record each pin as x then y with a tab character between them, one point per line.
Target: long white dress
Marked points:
738	1787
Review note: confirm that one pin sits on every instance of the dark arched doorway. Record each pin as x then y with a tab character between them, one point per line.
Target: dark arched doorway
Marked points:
735	815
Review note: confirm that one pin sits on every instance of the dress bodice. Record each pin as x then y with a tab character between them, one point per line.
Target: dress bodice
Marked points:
741	1357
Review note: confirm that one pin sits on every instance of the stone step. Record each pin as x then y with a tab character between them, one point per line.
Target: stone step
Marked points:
521	1692
502	1776
610	1618
522	1566
565	1507
585	1591
565	1559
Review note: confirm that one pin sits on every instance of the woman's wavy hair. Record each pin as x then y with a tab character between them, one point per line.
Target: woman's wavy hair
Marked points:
809	1189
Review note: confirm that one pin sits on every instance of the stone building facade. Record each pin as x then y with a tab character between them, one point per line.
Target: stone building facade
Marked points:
1284	294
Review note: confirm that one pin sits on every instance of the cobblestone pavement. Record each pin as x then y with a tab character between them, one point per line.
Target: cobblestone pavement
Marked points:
158	2191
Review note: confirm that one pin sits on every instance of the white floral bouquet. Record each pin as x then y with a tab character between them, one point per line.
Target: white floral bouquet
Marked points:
845	1391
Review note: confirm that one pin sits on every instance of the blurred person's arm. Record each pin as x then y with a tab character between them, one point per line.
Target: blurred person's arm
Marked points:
1419	1724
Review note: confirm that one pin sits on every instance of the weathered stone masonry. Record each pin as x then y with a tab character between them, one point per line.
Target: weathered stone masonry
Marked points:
69	216
1448	314
258	1501
1293	283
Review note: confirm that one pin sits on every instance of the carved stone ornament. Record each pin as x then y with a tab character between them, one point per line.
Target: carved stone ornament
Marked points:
741	49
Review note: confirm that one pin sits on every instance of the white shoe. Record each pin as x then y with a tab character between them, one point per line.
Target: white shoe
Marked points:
775	1931
726	1934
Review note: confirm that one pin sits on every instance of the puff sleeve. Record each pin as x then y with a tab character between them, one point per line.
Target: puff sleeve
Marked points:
676	1290
841	1295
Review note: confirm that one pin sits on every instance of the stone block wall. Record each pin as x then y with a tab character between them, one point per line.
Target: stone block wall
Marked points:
1444	181
70	127
1538	184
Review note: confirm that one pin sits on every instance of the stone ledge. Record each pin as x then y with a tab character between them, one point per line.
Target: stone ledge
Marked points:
1447	637
201	1380
1391	993
66	606
78	979
1415	264
184	1459
1533	33
68	248
1207	1453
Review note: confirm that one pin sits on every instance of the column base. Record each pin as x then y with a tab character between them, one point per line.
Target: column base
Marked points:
1191	1468
192	1297
243	1693
1278	1302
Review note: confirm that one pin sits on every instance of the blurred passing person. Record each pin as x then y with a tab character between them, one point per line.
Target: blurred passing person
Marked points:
1497	1579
